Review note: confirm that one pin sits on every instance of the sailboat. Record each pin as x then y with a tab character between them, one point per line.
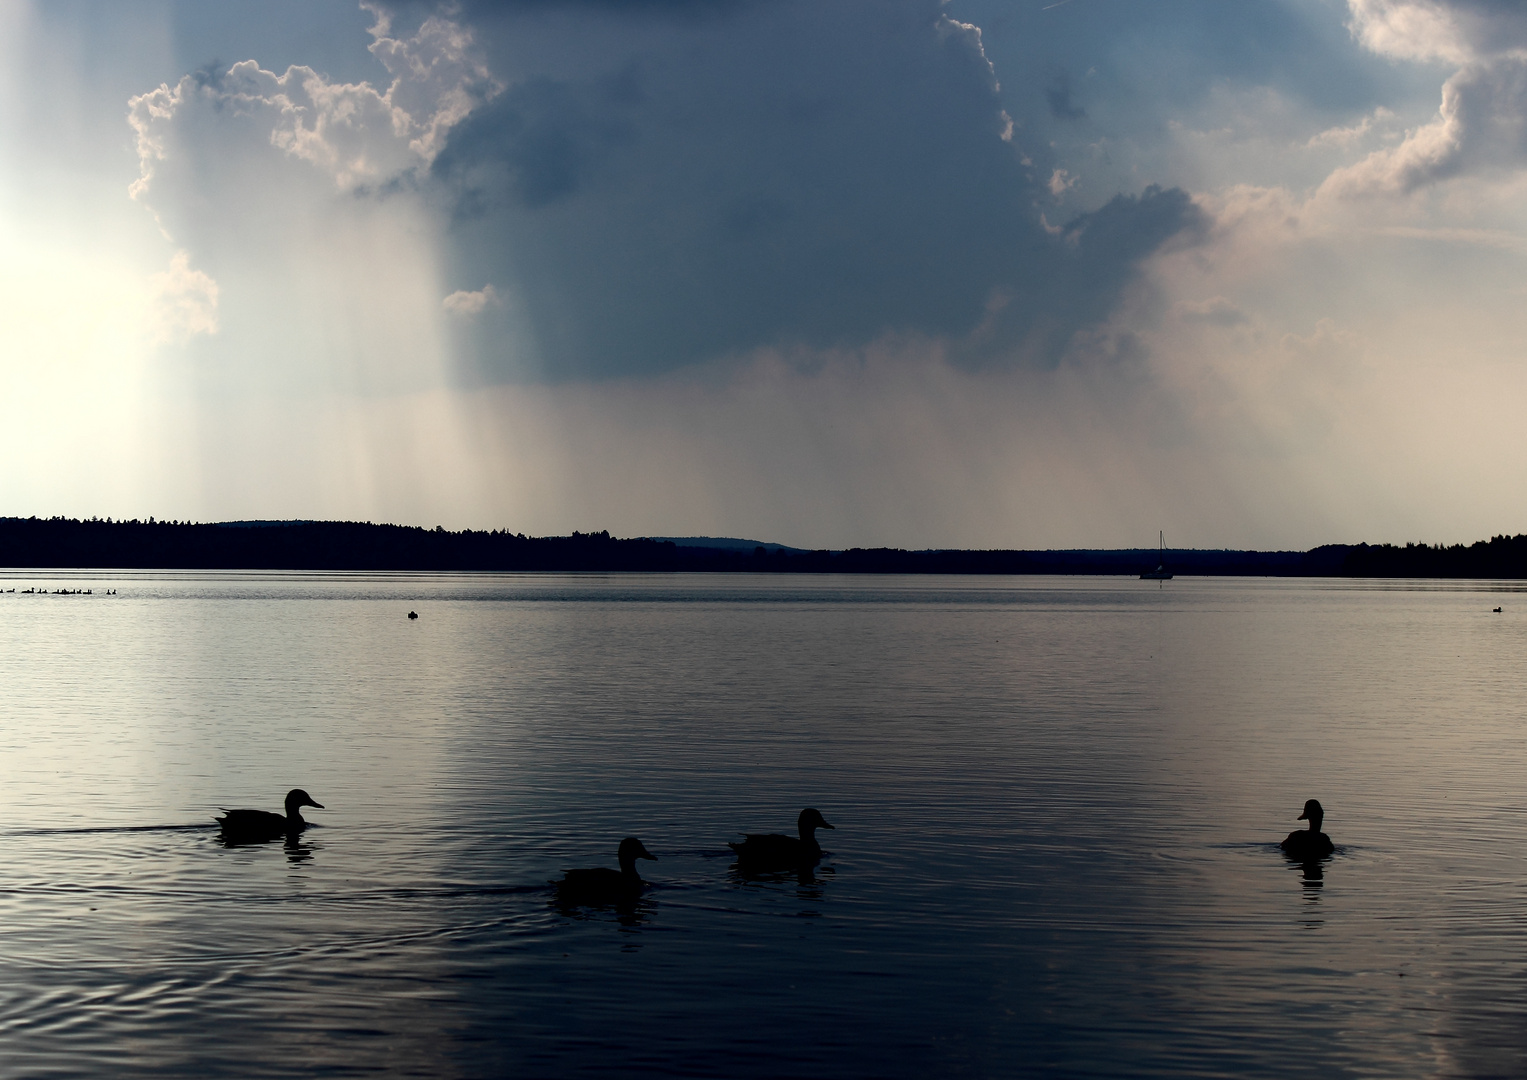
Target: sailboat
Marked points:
1161	573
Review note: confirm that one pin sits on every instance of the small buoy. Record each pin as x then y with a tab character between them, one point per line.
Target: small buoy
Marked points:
413	614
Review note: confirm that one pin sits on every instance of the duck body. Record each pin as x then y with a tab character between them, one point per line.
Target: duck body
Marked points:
601	885
1305	844
258	826
1309	844
775	851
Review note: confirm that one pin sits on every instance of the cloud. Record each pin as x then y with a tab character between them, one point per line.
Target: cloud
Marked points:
1350	134
1482	122
792	174
353	132
1058	97
439	77
466	304
1409	29
676	188
771	269
542	143
1482	125
1455	31
1215	311
184	302
300	197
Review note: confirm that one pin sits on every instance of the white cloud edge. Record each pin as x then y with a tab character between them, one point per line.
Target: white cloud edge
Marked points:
465	304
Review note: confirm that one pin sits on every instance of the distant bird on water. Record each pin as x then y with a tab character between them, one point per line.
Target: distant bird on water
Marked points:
1309	844
601	885
413	614
775	851
257	826
1497	611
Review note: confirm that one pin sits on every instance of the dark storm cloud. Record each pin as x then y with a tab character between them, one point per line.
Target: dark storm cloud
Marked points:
1079	281
642	8
1136	67
793	173
538	144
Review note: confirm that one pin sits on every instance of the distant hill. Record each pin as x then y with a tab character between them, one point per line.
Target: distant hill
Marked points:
261	524
351	545
724	543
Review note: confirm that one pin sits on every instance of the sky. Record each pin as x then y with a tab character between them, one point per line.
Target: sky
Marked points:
831	273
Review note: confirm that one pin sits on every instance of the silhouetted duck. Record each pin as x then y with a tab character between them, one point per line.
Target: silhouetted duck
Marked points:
602	885
255	826
775	851
413	614
1309	844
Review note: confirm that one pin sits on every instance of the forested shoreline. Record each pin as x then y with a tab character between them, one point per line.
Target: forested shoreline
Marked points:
60	543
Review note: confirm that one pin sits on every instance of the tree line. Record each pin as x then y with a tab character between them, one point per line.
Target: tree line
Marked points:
60	542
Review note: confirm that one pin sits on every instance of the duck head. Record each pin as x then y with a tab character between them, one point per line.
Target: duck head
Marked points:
1314	814
810	821
631	849
296	799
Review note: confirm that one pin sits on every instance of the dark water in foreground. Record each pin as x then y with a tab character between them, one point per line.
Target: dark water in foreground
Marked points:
1057	801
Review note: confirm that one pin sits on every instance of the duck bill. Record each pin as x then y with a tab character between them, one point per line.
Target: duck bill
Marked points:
318	805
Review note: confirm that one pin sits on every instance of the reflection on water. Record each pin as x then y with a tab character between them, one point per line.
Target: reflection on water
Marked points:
630	912
808	886
298	850
1057	803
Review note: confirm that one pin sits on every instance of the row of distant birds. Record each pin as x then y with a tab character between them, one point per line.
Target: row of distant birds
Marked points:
63	592
756	853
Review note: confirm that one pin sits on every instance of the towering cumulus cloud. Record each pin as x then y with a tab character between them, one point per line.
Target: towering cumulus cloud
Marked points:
296	199
644	187
695	184
355	133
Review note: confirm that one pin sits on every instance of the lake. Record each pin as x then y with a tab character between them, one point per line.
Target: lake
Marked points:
1057	805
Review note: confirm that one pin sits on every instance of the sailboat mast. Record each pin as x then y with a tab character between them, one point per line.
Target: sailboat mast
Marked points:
1161	573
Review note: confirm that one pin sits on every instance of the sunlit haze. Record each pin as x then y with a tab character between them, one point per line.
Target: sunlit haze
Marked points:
983	273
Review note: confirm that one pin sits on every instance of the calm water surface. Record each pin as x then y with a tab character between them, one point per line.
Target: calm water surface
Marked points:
1057	803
